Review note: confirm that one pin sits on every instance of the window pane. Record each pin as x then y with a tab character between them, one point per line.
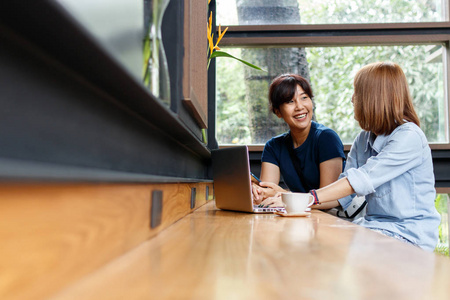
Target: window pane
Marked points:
243	116
251	12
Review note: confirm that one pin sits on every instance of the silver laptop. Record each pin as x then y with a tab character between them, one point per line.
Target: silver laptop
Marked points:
232	181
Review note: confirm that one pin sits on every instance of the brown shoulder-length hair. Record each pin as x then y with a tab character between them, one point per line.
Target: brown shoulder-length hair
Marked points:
381	99
283	89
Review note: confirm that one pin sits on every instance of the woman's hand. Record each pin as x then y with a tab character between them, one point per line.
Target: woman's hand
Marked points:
265	190
274	201
257	193
271	189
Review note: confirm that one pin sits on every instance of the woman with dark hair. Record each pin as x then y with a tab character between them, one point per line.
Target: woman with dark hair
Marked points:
309	155
389	163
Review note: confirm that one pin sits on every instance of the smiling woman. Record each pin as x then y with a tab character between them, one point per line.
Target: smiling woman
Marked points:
309	155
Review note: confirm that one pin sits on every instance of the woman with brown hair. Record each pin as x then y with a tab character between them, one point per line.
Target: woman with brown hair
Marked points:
389	163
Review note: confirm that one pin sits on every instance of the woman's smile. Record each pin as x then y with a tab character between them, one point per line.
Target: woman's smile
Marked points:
297	112
300	117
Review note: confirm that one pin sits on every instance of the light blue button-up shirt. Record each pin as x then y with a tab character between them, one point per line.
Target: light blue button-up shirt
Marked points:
395	174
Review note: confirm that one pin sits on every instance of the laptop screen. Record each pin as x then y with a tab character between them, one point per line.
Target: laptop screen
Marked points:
232	183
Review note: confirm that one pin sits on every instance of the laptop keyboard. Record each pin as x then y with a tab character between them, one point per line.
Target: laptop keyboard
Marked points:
256	208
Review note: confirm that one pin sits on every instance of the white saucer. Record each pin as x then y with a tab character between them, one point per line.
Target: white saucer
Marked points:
301	214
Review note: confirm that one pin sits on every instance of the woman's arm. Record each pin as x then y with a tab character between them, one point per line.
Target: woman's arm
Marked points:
329	173
328	194
270	173
337	190
400	152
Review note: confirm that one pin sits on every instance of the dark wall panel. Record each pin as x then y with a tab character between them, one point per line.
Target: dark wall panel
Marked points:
51	114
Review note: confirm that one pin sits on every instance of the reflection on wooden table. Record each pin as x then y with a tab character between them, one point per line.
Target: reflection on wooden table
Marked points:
214	254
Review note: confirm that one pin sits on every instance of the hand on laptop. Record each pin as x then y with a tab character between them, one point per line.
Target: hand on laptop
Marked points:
265	190
257	193
274	201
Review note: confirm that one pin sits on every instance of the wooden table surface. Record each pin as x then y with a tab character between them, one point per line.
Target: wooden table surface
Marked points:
215	254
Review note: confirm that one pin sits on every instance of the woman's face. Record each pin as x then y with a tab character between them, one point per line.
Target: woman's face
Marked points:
297	113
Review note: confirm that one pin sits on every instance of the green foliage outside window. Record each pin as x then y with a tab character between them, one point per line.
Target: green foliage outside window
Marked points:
369	11
332	70
336	11
441	203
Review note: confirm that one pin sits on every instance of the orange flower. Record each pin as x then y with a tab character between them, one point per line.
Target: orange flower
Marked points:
210	24
221	34
210	36
214	50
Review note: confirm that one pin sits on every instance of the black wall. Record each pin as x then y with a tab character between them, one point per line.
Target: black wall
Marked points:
69	110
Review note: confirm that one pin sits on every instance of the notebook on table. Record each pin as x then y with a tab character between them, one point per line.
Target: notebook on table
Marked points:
232	181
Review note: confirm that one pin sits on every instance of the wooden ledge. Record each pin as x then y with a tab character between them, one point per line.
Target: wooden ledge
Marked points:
52	235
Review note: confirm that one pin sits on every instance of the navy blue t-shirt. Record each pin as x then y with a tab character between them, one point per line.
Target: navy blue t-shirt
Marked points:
321	145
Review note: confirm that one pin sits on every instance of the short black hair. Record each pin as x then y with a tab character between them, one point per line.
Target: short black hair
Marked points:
283	88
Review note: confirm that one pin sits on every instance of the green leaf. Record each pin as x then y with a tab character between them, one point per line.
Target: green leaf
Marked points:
224	54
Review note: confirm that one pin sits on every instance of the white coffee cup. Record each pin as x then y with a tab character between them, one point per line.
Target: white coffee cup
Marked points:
297	202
